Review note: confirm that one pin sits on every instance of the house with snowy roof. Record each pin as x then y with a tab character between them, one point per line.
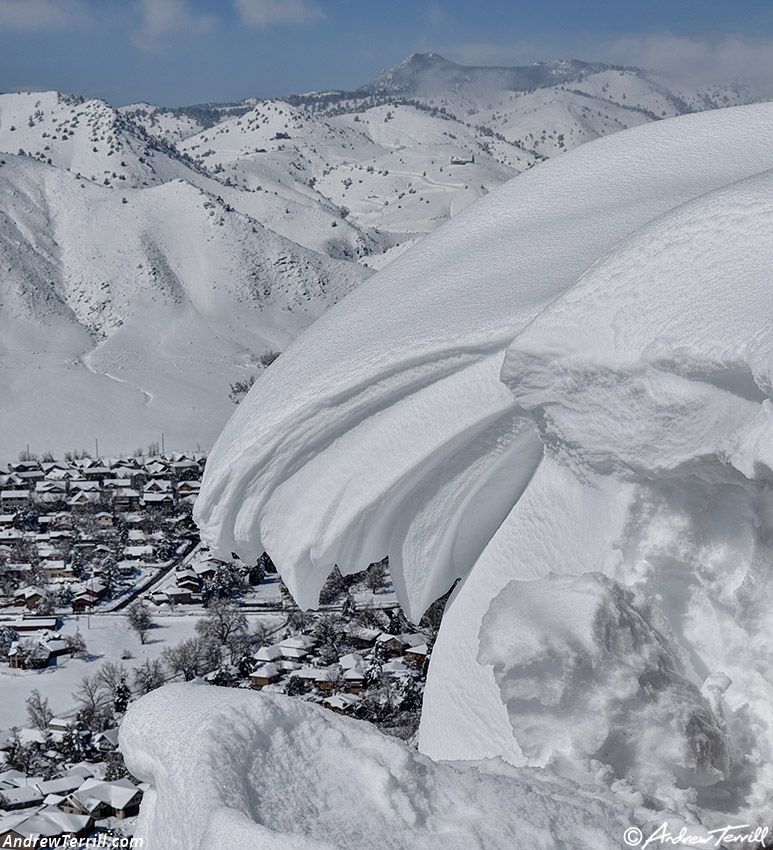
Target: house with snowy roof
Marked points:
49	823
106	741
120	799
31	624
342	703
354	678
138	553
127	499
265	674
81	500
416	655
63	786
186	488
361	637
13	500
268	653
22	798
158	501
28	596
390	645
188	579
158	485
20	657
296	648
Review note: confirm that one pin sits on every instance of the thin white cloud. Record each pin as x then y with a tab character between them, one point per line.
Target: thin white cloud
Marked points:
264	13
39	15
435	15
483	53
697	59
160	19
694	60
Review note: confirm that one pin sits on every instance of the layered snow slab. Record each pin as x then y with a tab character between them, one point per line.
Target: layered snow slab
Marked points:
385	429
234	769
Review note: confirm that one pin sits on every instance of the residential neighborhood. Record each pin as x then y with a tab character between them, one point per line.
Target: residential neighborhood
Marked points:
106	593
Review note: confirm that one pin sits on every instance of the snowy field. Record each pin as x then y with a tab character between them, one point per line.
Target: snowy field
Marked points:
108	638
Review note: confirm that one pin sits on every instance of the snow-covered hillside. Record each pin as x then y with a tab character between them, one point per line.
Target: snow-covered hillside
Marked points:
128	314
581	387
87	137
395	152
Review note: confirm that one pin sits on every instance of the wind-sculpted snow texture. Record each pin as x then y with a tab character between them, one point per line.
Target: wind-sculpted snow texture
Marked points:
233	769
570	378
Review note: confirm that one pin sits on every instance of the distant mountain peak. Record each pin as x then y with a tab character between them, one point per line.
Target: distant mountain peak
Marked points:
430	73
425	60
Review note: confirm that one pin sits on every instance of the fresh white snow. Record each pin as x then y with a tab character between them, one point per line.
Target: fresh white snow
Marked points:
234	769
572	377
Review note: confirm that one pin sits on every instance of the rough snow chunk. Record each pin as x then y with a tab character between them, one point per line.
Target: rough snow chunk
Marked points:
590	673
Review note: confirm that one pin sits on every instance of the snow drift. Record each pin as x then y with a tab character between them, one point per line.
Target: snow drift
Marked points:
274	773
571	377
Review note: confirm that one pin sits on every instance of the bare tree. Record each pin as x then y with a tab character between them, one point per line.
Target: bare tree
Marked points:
375	575
223	621
93	710
110	677
140	619
46	604
262	634
148	676
76	644
191	658
38	711
25	652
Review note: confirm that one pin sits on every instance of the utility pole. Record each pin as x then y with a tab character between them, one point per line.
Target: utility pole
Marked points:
96	446
162	442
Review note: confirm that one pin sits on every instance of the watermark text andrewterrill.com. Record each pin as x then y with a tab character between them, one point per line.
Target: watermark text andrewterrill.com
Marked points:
109	842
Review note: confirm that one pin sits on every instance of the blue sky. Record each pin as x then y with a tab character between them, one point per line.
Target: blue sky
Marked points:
189	51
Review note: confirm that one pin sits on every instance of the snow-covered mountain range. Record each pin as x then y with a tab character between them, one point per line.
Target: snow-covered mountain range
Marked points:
150	256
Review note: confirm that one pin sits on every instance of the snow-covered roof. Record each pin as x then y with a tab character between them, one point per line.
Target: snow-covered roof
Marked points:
28	591
351	660
23	796
81	769
61	786
117	794
394	666
297	642
342	701
108	736
268	653
266	671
